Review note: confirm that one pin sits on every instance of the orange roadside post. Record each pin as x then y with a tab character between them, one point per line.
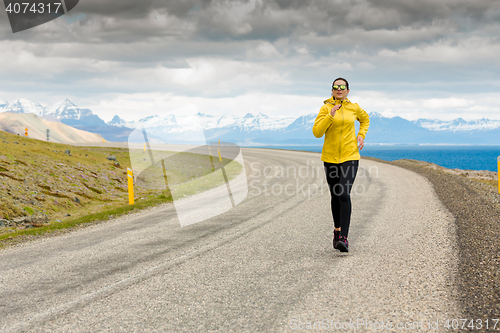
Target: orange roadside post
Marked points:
218	149
130	176
26	131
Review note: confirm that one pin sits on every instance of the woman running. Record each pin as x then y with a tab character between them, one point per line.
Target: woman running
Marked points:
340	153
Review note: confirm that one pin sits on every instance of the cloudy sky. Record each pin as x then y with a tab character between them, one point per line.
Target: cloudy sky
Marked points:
414	59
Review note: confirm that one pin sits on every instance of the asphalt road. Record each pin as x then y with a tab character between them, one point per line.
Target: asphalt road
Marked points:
266	265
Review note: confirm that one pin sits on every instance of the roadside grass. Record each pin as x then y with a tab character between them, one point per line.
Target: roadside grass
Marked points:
493	183
209	181
151	200
59	191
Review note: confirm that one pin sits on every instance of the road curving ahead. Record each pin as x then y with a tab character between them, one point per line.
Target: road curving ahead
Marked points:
265	265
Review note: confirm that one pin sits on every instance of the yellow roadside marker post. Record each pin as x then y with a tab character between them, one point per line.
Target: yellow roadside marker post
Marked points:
211	158
130	176
26	131
225	178
218	149
164	174
498	173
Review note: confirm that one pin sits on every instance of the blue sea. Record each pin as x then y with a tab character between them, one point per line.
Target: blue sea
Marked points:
449	156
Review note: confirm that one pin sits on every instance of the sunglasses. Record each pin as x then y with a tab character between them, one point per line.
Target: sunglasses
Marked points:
342	87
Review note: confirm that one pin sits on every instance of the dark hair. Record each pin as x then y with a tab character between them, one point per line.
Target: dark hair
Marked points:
341	78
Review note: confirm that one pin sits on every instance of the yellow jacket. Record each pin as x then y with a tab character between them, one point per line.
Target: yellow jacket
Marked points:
341	142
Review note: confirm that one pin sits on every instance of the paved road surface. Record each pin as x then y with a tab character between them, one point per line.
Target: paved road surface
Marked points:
267	265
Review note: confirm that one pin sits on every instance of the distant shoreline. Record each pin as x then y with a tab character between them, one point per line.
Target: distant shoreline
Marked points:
463	157
375	144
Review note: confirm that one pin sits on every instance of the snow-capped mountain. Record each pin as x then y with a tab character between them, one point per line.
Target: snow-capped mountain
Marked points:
116	121
65	109
303	122
458	124
262	122
375	115
22	105
247	123
68	113
182	127
260	129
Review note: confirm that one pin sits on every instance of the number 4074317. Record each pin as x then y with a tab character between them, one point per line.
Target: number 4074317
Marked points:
34	8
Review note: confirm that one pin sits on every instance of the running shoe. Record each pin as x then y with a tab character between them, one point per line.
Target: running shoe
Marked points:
343	244
336	235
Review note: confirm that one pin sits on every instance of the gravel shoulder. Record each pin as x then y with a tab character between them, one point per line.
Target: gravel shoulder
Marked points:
476	209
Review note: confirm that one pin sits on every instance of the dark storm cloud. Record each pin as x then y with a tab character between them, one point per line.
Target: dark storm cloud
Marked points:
216	20
421	11
299	39
126	9
280	18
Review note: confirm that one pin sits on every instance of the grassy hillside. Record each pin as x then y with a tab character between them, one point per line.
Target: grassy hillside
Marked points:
47	186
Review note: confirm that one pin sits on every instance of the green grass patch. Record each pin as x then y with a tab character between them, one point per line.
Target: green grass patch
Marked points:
209	181
149	201
87	185
29	210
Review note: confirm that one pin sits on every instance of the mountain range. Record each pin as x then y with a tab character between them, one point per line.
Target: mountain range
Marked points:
68	113
261	129
45	130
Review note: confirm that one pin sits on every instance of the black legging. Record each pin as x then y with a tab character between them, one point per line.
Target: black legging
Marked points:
340	178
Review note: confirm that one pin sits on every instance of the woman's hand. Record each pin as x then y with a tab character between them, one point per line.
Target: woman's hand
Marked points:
361	142
334	109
